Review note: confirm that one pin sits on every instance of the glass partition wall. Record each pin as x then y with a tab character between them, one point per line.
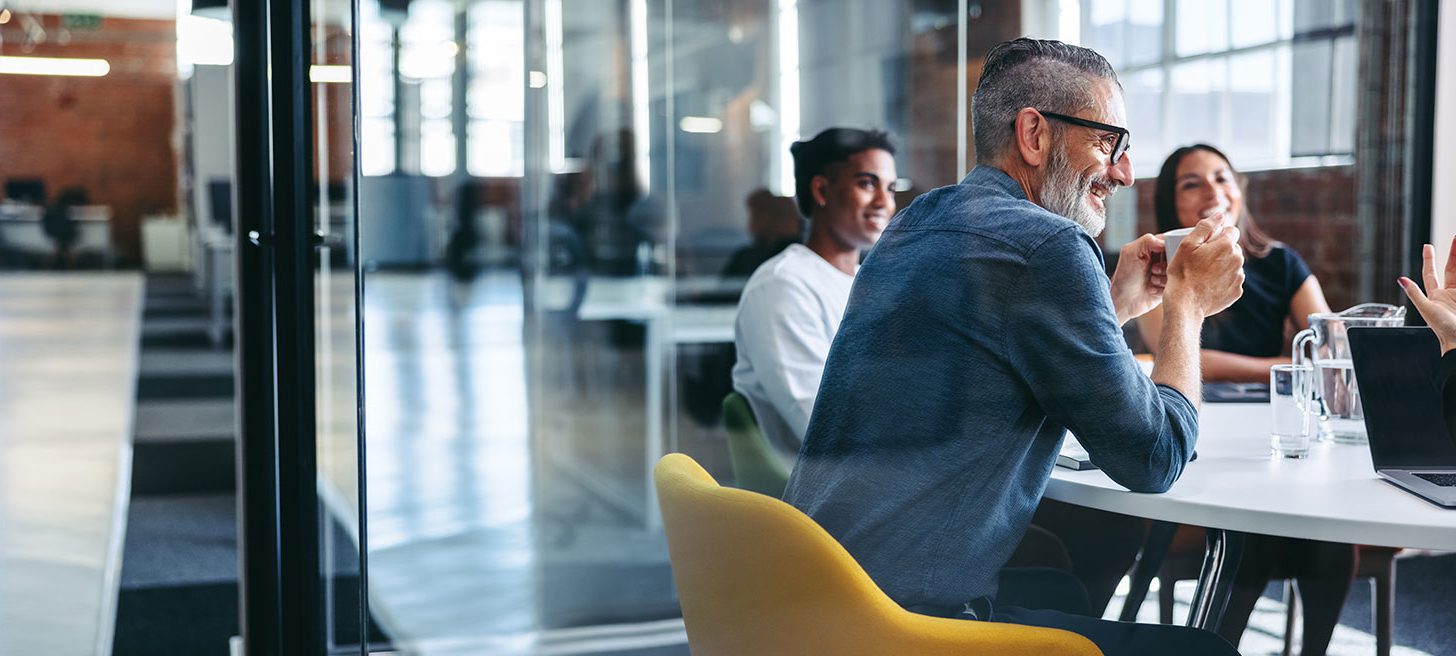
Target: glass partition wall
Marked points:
561	201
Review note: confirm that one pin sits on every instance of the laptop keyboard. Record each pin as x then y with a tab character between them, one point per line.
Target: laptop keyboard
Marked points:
1443	480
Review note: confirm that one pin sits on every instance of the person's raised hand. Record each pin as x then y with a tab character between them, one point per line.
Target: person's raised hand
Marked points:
1141	275
1437	303
1208	272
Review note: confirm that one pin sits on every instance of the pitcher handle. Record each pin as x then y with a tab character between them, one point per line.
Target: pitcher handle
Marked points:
1304	345
1302	340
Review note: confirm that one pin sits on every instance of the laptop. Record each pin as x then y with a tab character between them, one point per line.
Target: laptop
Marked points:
1409	444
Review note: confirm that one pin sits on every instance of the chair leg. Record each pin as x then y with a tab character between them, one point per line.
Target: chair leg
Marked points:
1165	601
1385	609
1149	562
1291	611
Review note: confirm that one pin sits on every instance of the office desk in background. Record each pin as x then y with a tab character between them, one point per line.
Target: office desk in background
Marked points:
649	300
1237	486
22	232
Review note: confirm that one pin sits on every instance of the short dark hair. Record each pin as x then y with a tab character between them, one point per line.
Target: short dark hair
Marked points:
1254	240
830	147
1049	76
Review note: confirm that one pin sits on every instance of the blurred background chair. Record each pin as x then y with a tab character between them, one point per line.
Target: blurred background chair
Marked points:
756	576
756	467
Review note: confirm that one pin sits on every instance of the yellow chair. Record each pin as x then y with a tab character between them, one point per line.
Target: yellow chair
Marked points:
756	576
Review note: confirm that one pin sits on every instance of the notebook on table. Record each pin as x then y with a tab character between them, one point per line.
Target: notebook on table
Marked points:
1409	443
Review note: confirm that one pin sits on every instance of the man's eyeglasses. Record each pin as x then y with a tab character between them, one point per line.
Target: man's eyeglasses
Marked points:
1119	147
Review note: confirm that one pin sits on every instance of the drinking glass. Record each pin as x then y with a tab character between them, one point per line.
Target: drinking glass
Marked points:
1289	398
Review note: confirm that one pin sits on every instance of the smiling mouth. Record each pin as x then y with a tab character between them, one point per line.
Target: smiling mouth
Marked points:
1213	211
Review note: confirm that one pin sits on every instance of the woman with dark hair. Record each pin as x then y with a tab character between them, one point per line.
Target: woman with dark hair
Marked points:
1239	344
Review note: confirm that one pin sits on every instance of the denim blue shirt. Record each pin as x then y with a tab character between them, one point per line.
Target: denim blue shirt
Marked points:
979	327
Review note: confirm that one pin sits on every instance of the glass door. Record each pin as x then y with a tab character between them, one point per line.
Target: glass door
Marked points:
336	289
298	329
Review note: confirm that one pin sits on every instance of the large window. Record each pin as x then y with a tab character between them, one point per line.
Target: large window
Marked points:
1270	81
423	116
496	101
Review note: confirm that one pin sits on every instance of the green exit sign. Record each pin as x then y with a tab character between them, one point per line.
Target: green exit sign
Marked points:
81	21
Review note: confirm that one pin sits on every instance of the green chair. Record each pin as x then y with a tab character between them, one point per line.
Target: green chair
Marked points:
756	467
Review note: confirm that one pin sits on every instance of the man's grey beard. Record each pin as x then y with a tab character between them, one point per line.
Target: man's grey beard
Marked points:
1065	192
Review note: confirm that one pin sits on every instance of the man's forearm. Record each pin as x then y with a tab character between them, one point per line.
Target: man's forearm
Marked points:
1178	357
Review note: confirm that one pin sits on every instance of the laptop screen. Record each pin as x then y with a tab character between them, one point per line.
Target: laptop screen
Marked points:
1395	369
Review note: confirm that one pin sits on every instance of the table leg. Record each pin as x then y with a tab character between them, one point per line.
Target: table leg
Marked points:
656	446
1149	561
1216	580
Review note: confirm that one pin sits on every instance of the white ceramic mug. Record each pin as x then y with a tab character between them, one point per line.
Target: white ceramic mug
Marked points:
1171	239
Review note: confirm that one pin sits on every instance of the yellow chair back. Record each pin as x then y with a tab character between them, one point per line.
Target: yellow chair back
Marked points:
756	576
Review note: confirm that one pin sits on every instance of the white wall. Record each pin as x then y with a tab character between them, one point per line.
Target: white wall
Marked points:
1443	193
212	133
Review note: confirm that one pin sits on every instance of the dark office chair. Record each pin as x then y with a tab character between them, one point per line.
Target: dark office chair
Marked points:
1173	553
26	190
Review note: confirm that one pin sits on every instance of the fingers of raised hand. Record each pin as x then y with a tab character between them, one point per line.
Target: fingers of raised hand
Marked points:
1428	267
1450	263
1413	291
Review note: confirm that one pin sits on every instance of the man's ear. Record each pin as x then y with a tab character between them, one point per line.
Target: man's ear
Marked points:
1033	137
819	190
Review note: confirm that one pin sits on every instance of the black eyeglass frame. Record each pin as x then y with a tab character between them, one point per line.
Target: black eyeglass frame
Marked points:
1124	137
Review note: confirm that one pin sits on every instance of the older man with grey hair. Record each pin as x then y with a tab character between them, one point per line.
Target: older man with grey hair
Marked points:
982	327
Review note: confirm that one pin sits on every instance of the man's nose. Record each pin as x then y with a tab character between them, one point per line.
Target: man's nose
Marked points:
1121	172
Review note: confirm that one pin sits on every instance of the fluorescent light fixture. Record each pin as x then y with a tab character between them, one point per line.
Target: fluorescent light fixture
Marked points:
54	66
700	124
536	79
641	120
331	74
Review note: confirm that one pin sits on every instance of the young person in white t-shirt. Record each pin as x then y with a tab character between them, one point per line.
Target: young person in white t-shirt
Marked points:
791	307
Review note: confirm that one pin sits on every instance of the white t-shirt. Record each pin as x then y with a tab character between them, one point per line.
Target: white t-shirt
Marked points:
787	318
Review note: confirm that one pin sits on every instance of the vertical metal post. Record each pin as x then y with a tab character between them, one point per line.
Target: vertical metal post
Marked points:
259	583
293	235
361	463
962	101
1420	160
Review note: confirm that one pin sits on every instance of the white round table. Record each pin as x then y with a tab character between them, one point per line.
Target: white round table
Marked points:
1235	486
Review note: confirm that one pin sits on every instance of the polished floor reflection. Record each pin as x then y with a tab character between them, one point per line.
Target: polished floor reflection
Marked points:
68	365
481	538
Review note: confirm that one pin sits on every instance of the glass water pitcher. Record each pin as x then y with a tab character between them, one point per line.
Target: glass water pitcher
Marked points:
1326	345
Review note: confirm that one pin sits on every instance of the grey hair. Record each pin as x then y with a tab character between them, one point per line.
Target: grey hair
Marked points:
1045	75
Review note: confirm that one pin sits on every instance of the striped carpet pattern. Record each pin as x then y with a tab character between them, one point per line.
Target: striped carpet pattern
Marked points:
179	566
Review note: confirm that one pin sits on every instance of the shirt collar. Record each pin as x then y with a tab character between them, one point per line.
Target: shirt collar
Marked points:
990	176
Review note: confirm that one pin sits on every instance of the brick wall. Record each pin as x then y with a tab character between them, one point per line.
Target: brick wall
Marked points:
112	136
1312	210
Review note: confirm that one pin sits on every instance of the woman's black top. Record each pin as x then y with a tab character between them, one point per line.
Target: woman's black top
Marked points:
1254	324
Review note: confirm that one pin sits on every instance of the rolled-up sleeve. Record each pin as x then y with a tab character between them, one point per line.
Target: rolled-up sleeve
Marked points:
1064	341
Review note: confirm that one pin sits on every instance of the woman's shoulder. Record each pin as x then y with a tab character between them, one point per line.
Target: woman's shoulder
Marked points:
1284	263
1280	255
